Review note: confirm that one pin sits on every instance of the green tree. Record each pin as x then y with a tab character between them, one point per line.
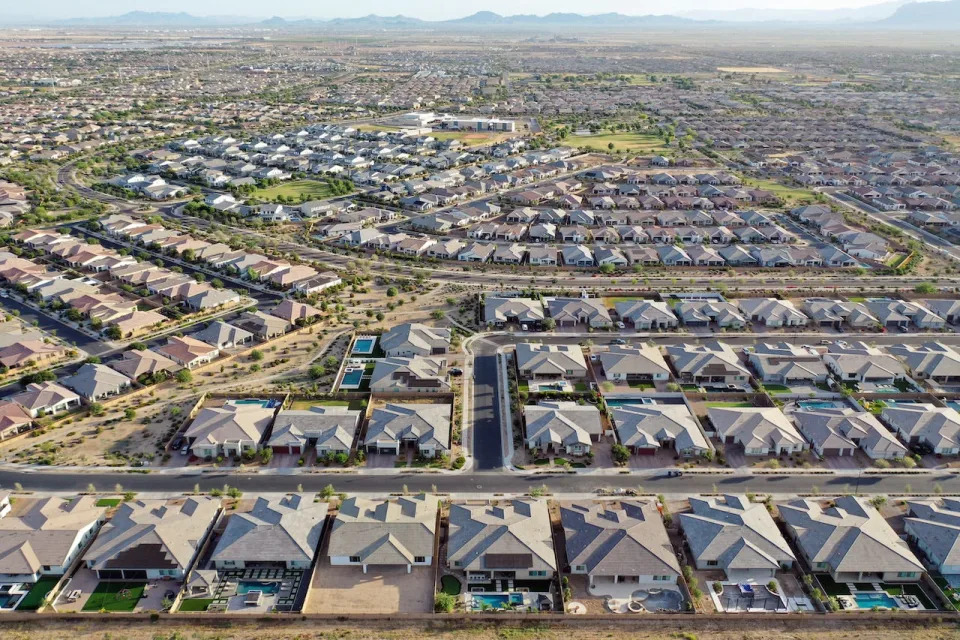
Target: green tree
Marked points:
184	376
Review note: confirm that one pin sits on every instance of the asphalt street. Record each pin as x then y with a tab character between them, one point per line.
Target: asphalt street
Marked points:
487	441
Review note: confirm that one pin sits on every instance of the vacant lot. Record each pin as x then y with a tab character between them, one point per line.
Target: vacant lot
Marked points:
628	142
380	590
750	70
300	190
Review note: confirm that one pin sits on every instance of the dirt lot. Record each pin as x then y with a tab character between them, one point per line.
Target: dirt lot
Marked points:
380	590
289	628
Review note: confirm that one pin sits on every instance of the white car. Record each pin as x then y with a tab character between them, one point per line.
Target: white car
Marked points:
620	325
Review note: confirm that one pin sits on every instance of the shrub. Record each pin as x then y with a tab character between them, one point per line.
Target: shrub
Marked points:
444	602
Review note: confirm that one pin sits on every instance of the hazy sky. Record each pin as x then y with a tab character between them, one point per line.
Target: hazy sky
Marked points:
427	9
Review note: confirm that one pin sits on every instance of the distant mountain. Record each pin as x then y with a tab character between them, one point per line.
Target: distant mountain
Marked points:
869	13
156	19
488	18
925	15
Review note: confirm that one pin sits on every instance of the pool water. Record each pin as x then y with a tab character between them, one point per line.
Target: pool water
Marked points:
496	601
253	401
817	404
871	600
352	377
246	586
364	345
9	601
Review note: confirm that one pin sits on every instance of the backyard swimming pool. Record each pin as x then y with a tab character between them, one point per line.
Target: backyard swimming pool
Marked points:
818	404
266	404
875	599
351	378
246	586
495	600
364	345
9	600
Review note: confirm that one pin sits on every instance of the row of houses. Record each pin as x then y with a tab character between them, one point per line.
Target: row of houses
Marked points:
277	273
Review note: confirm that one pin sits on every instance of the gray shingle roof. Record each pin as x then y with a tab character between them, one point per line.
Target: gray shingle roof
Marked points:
285	529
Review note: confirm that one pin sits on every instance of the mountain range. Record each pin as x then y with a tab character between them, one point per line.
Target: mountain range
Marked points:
893	14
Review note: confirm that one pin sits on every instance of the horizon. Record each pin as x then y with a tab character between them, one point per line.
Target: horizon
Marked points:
429	10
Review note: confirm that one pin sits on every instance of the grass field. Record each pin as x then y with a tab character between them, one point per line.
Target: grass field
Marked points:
300	190
628	142
195	604
790	195
115	596
40	589
108	502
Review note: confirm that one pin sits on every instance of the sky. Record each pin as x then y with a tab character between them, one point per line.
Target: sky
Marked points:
426	9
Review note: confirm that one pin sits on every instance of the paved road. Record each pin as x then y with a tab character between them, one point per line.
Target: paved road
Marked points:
486	483
487	441
63	331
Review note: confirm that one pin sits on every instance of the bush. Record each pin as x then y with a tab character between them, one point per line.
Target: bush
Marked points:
717	587
444	603
459	462
184	376
621	455
772	586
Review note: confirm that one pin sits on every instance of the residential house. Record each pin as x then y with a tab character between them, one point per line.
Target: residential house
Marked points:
46	398
937	428
646	314
525	311
646	428
188	352
710	364
228	430
562	427
550	361
934	525
570	312
841	431
426	427
330	430
644	364
760	430
414	339
94	381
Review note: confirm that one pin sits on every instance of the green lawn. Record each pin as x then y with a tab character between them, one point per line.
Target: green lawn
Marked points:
830	587
629	142
690	387
910	590
790	195
300	190
115	596
33	599
641	385
949	591
776	388
108	502
582	387
195	604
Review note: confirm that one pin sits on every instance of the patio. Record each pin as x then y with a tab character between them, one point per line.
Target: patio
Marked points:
278	590
623	597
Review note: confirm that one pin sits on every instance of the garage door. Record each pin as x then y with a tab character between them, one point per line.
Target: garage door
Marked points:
388	451
646	452
832	452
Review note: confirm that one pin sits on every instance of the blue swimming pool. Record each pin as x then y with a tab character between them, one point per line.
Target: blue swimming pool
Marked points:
253	401
630	402
875	599
352	377
9	601
364	346
246	586
818	404
496	600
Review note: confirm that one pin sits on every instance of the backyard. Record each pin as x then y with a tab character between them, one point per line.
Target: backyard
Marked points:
34	599
115	596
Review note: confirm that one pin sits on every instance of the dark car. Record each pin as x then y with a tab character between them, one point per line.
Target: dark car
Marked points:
455	371
618	341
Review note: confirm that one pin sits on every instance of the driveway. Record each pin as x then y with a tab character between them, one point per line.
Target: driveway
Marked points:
380	590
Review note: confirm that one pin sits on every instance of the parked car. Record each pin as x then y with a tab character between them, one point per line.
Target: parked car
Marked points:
618	341
185	450
456	371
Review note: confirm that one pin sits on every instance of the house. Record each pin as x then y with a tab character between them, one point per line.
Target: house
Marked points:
543	256
841	431
570	312
14	419
615	543
418	374
901	313
879	369
509	540
283	531
923	423
223	336
152	539
701	313
296	313
423	426
262	325
711	364
562	427
646	428
188	352
834	313
646	314
736	536
142	364
761	430
45	536
796	365
629	364
228	430
576	256
772	312
933	361
97	381
385	533
524	311
949	310
550	361
330	430
46	398
934	525
850	540
414	339
30	352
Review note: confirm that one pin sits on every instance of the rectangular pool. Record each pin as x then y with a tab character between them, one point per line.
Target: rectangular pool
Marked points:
875	599
818	404
364	345
495	600
351	378
246	586
252	401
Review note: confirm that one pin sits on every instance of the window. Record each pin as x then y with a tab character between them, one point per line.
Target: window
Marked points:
538	574
661	578
581	567
419	559
712	563
354	558
906	574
